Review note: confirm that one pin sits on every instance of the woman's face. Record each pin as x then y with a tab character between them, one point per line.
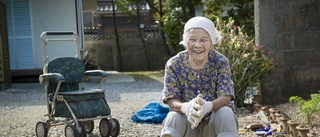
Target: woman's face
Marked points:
198	44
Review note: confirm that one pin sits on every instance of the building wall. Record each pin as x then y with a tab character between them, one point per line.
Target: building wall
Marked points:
49	15
290	29
103	50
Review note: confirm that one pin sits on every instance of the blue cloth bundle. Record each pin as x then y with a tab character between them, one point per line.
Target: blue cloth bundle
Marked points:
153	112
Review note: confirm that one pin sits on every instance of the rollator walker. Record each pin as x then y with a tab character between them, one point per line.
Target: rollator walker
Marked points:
69	103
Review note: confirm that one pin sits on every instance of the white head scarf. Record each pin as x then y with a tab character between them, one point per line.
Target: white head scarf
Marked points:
203	23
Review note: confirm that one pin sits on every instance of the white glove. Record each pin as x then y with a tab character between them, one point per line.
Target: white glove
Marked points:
206	107
190	109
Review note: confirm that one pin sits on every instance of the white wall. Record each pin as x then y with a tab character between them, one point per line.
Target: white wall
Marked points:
53	15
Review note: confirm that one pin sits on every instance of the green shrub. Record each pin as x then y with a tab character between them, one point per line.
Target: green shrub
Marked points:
249	63
307	109
177	13
173	28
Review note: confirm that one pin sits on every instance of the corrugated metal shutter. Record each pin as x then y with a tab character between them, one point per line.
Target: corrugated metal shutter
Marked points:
19	33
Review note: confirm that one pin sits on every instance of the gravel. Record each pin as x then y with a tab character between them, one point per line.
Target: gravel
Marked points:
24	104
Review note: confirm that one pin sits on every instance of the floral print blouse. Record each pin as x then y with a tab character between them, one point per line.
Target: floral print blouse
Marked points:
184	84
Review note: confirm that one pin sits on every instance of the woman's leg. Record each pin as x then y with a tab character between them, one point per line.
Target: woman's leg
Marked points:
222	123
177	125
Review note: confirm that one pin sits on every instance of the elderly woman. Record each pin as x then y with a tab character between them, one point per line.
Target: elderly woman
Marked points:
198	87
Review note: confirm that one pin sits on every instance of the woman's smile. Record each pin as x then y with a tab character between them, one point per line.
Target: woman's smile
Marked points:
198	51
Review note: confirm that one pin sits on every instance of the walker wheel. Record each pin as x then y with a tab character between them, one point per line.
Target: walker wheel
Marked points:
71	131
89	125
105	127
115	130
41	129
82	132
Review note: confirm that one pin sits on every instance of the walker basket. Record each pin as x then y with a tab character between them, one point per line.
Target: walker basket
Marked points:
84	105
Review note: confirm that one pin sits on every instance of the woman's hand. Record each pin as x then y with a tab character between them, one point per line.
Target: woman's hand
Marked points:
191	110
206	107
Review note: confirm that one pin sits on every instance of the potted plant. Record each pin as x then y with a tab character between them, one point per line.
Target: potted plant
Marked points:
273	114
303	130
293	132
306	108
284	125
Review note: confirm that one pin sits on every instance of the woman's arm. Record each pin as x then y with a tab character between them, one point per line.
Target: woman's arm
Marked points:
225	85
174	104
220	102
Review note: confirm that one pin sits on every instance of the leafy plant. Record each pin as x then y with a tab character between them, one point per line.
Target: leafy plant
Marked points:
249	63
242	11
307	109
173	29
177	13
